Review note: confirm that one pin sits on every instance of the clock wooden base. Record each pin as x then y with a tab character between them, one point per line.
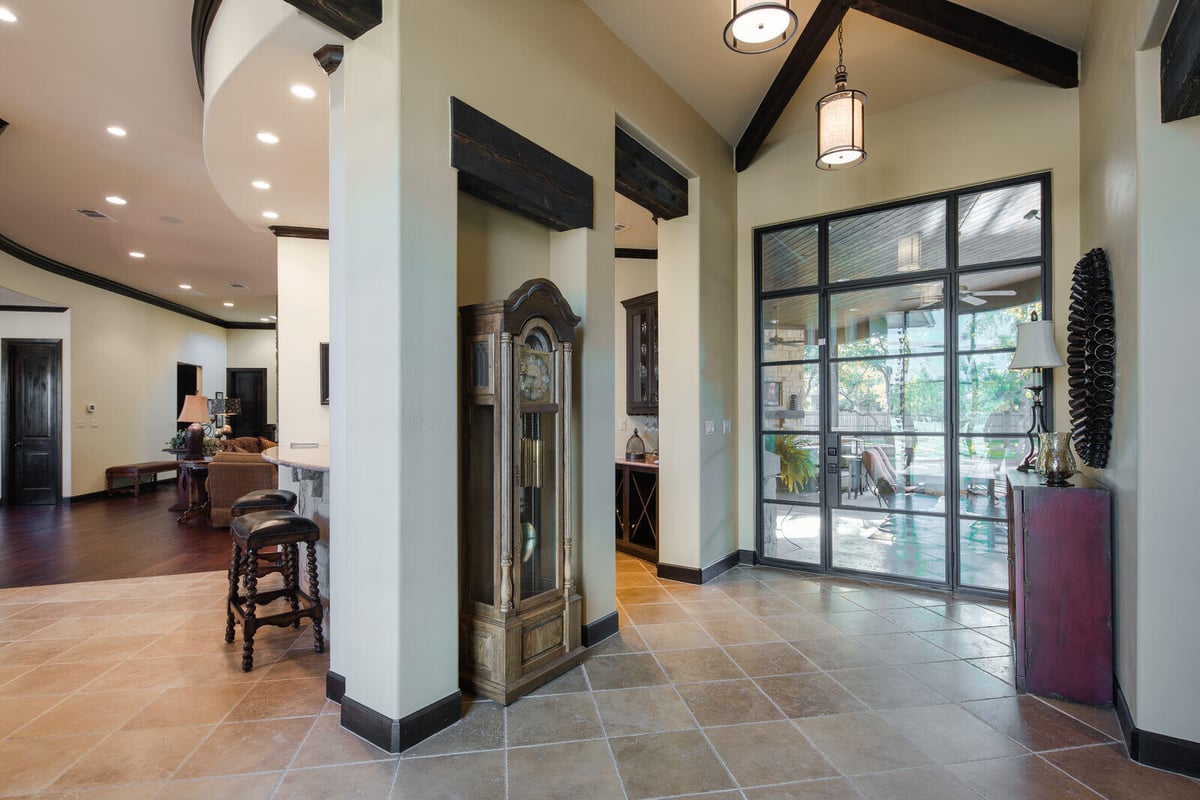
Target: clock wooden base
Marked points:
504	659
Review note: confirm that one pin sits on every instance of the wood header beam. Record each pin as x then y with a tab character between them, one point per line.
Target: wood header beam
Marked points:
295	232
502	167
636	252
821	25
351	18
981	35
649	181
1179	63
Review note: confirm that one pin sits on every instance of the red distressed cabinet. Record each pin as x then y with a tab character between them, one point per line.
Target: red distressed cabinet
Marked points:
1060	587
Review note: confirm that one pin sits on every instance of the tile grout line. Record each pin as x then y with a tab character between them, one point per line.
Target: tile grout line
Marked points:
587	680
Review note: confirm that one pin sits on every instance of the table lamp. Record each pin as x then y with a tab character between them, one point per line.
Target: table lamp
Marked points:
195	411
1036	350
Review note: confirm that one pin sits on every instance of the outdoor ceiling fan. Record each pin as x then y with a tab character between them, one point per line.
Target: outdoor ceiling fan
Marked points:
968	296
775	340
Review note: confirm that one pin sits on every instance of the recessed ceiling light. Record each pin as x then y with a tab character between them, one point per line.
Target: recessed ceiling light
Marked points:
303	92
271	215
185	286
115	200
263	319
227	305
273	316
116	130
136	254
260	185
268	138
6	15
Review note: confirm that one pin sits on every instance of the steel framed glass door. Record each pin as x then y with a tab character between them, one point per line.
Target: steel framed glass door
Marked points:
886	412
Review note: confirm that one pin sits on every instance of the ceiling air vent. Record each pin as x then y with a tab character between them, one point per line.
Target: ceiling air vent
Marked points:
92	213
237	286
620	226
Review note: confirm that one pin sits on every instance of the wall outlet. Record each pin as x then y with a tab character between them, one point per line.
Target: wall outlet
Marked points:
710	427
624	423
727	426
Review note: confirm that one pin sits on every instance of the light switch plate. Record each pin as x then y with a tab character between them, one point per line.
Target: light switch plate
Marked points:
727	426
710	427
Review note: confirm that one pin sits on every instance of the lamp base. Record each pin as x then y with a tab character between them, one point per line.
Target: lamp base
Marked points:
193	442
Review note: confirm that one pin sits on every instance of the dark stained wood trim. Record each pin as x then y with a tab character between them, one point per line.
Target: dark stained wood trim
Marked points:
636	252
335	686
330	57
1179	63
396	735
649	181
981	35
351	18
673	572
1156	749
598	630
821	25
498	165
203	14
293	232
44	309
747	557
35	259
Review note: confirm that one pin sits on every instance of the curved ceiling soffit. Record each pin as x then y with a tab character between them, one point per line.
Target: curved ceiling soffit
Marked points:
255	52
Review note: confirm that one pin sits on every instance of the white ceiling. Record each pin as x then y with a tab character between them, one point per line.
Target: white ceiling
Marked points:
69	68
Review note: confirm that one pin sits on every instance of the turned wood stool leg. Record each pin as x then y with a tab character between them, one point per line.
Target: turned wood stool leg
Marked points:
235	574
250	621
291	552
315	586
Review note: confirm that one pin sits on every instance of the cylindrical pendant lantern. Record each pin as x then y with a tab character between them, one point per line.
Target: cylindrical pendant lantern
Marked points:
841	115
760	26
908	253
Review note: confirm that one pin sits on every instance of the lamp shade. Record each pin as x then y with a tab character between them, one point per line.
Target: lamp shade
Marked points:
195	409
760	26
1035	346
840	128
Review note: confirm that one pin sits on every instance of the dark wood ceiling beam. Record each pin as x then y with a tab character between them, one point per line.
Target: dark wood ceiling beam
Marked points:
821	25
981	35
1179	63
649	181
351	18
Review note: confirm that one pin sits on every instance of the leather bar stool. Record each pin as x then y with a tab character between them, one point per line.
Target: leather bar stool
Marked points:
266	500
286	530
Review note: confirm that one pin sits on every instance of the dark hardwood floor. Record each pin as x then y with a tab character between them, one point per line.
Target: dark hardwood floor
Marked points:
117	537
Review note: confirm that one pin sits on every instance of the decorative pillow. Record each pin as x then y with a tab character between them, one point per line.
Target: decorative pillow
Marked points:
265	444
242	444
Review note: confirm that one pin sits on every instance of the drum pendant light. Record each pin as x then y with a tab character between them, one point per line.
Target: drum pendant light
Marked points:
760	26
840	118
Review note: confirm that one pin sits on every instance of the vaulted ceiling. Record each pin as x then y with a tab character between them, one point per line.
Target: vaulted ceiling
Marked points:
70	69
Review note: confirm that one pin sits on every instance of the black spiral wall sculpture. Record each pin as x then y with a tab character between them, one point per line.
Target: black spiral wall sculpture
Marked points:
1091	357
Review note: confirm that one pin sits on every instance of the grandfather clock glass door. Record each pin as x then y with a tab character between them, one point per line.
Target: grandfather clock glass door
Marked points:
538	568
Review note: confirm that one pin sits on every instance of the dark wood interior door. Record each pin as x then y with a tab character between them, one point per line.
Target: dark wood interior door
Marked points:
187	381
33	433
249	384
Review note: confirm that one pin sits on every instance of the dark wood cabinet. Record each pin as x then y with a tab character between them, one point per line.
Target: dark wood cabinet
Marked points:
1060	587
637	509
641	354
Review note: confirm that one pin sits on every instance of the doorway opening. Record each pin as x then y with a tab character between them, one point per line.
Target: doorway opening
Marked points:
887	415
187	381
248	384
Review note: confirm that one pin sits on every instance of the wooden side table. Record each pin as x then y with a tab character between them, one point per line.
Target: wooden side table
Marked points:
194	473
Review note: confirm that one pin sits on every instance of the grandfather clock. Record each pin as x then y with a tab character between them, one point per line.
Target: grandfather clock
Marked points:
519	611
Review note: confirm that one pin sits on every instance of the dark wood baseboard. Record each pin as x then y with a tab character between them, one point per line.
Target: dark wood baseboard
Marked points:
598	630
397	735
1156	749
673	572
335	686
747	557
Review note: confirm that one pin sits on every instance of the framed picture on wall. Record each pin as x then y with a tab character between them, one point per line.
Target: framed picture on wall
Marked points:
324	373
771	392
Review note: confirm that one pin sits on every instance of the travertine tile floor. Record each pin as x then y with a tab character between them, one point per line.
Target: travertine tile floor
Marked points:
760	685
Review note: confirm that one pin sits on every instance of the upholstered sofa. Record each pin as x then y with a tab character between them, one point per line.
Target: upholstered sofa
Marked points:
230	475
246	444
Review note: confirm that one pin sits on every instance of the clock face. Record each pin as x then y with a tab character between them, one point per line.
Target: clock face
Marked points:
535	374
